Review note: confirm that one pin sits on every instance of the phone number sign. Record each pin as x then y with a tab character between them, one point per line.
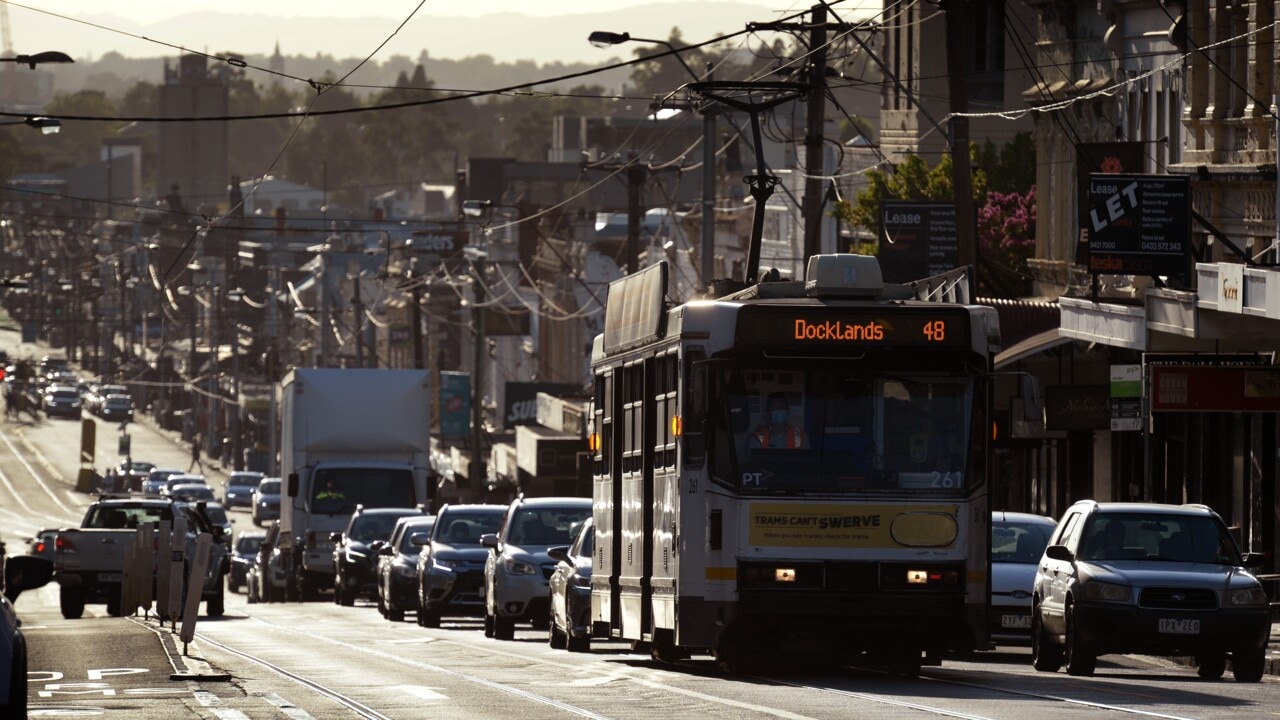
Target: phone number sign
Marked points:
1139	224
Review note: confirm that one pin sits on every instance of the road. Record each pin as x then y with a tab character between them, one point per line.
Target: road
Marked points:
319	660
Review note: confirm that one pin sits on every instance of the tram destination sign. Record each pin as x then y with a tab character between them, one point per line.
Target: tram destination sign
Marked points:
1139	224
856	327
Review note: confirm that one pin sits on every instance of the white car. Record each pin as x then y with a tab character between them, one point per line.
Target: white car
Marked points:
1017	542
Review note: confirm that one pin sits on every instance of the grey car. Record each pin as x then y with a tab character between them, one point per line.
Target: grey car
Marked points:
518	566
239	487
266	501
1017	543
1148	578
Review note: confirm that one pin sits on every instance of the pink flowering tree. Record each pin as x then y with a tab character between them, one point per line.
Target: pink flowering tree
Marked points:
1006	238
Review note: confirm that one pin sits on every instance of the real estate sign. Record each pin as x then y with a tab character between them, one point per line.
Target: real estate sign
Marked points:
1139	224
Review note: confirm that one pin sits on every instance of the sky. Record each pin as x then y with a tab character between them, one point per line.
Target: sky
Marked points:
552	30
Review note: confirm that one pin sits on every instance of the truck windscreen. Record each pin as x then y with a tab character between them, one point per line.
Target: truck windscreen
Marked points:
337	491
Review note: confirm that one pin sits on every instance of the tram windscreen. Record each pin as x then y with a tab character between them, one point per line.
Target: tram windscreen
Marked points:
782	432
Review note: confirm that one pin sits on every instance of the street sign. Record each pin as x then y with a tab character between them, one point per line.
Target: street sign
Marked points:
1126	397
123	449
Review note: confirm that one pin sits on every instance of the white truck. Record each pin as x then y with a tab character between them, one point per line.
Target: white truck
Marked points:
348	437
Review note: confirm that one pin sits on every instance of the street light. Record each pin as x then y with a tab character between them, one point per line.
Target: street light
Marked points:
603	39
47	126
49	56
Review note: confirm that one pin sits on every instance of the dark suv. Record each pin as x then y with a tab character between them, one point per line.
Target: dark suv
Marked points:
1152	579
355	552
450	568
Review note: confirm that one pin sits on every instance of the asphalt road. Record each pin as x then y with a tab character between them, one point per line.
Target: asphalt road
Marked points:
319	660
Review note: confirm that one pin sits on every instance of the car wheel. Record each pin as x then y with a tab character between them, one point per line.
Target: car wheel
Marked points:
382	606
1079	659
504	628
429	619
488	624
1248	665
395	614
1210	665
555	638
1045	655
579	644
347	598
216	605
71	600
337	589
113	605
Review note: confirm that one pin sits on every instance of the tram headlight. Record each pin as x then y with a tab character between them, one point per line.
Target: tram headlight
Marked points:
784	575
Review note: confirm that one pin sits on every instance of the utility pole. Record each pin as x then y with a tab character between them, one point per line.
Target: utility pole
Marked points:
479	358
708	192
415	295
635	196
959	50
814	167
814	140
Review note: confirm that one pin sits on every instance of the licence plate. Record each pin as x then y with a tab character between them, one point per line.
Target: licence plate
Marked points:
111	577
1179	627
1016	622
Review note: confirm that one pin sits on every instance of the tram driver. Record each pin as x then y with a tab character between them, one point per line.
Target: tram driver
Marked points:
778	430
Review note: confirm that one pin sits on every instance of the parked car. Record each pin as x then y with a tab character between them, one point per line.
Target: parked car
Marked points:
117	407
1017	542
266	501
243	552
238	489
518	566
450	571
355	551
265	580
570	592
1148	578
19	574
61	401
397	567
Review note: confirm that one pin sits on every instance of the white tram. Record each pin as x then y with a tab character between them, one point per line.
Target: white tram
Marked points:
855	525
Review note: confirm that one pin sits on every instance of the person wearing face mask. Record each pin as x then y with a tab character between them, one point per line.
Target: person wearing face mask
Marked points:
779	432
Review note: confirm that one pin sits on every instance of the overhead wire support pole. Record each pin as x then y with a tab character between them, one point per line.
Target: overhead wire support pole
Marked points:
814	139
815	124
762	183
959	51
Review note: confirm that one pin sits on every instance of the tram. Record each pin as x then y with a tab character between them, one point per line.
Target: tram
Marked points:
797	469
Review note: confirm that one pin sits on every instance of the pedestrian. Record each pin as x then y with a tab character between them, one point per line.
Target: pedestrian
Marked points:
196	443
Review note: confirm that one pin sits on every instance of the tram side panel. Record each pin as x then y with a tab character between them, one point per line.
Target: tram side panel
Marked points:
664	526
606	502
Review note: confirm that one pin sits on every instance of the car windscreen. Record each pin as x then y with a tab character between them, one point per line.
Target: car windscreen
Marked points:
406	541
269	487
465	528
546	525
1016	542
337	491
120	517
249	545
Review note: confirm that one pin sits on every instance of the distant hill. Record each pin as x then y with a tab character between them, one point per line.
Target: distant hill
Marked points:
506	38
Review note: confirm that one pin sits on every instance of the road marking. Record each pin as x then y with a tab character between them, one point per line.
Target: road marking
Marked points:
287	707
14	491
39	479
422	693
217	707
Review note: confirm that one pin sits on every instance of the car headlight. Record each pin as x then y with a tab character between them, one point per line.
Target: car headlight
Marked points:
444	563
515	567
1106	592
356	556
1247	597
580	581
406	571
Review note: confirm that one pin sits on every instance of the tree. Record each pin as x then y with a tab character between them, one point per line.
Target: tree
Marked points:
1004	192
1006	238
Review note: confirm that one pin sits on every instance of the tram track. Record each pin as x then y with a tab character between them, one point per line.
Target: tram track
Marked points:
645	678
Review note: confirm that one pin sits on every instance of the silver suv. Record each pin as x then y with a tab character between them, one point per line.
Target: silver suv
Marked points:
518	566
1152	579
